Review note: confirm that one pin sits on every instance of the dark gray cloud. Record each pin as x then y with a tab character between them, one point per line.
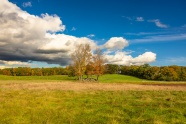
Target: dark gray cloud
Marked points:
50	51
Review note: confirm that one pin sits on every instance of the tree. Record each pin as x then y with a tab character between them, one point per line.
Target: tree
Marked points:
90	69
111	69
98	63
70	71
81	57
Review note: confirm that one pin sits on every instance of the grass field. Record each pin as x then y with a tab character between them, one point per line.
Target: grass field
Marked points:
100	107
107	78
53	77
58	100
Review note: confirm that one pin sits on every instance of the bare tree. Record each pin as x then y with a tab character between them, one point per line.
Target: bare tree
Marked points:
81	57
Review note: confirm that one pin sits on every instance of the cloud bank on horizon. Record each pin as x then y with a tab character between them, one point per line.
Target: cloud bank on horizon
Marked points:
25	38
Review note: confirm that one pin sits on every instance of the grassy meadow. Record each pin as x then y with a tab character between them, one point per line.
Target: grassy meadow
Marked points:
54	106
45	78
107	78
57	107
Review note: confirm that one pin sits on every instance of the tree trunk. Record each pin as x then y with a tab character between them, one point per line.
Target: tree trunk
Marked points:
97	77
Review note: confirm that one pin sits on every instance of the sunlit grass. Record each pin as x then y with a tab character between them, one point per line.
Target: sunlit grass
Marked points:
116	78
53	106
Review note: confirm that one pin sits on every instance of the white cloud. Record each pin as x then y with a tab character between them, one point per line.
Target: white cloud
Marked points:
158	23
73	29
119	58
22	35
146	57
27	4
116	43
65	43
10	64
147	33
25	37
91	35
139	19
14	63
158	38
122	58
176	60
128	18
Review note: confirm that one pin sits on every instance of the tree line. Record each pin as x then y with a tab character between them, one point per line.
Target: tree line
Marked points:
163	73
27	71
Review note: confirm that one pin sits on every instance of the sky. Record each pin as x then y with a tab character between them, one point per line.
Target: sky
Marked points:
44	33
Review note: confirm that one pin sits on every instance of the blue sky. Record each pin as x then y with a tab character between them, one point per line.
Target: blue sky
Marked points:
158	26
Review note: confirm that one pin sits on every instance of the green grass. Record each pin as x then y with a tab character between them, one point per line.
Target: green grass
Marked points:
107	78
53	77
110	78
116	78
88	107
93	107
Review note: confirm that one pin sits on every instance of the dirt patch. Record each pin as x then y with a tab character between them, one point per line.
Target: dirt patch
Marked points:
76	86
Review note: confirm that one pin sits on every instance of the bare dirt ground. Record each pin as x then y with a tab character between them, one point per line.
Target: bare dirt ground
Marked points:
87	86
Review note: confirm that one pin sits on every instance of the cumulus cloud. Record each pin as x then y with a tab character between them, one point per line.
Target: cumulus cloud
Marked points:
116	43
158	23
25	38
147	57
65	43
139	19
122	58
27	4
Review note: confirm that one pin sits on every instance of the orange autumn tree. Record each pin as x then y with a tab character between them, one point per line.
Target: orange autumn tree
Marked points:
85	62
81	57
98	63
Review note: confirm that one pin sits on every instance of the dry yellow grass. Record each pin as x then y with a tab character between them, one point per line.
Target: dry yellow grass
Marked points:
85	86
